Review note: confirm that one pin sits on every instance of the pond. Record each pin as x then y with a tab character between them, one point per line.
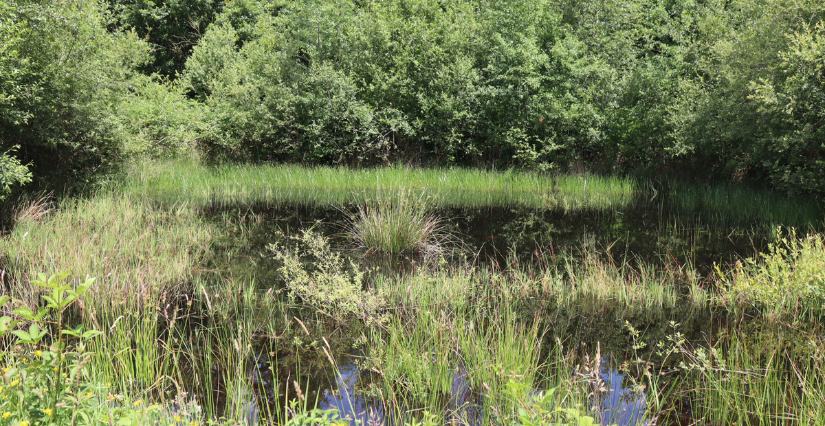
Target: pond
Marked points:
485	237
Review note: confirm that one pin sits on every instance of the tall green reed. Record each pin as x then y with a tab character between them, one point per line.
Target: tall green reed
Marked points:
748	382
140	253
187	181
403	223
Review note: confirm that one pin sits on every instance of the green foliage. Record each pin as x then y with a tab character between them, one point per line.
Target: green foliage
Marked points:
184	181
155	120
401	223
786	281
172	27
793	154
47	383
342	82
60	76
328	284
542	409
12	173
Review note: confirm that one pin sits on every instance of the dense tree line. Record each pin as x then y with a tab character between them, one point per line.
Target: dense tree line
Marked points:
729	89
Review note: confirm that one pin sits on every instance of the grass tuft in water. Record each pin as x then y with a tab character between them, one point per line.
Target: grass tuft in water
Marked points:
397	224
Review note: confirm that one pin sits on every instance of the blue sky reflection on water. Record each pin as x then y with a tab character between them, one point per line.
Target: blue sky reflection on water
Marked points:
620	405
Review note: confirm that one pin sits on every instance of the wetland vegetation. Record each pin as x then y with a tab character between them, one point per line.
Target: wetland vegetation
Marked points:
412	212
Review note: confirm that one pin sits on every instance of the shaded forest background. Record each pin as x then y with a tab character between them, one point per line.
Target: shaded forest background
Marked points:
729	90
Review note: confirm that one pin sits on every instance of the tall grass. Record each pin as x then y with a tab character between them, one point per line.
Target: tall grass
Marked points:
402	223
140	253
186	181
728	205
749	383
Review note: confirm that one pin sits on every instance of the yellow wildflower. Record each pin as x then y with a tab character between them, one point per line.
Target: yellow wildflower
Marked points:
136	403
14	383
38	353
48	412
23	423
178	419
6	414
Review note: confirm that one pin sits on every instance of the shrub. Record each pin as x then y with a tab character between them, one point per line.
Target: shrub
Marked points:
330	285
787	280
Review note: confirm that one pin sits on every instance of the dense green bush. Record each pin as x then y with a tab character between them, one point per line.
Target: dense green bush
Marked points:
171	27
725	90
345	82
62	75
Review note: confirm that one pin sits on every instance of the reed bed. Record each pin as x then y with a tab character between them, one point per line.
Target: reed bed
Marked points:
726	205
139	253
186	181
746	382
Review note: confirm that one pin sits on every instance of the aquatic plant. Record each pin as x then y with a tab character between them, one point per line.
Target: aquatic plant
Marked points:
749	380
788	281
401	223
187	181
326	282
139	251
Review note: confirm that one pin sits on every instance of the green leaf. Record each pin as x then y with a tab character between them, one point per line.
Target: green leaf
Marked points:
22	335
27	313
91	333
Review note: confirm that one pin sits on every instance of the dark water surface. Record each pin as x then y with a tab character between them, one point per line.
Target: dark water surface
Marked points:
494	236
490	235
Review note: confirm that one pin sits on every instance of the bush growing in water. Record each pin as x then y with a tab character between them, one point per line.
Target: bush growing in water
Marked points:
330	286
788	279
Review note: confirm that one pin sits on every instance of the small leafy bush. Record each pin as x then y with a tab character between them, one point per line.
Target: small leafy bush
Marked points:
542	408
789	279
321	278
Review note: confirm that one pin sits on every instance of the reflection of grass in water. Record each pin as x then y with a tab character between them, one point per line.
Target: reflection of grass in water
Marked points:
233	184
739	206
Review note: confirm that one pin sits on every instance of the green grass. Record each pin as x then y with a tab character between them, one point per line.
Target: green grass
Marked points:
169	331
748	383
139	253
403	223
186	181
737	206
